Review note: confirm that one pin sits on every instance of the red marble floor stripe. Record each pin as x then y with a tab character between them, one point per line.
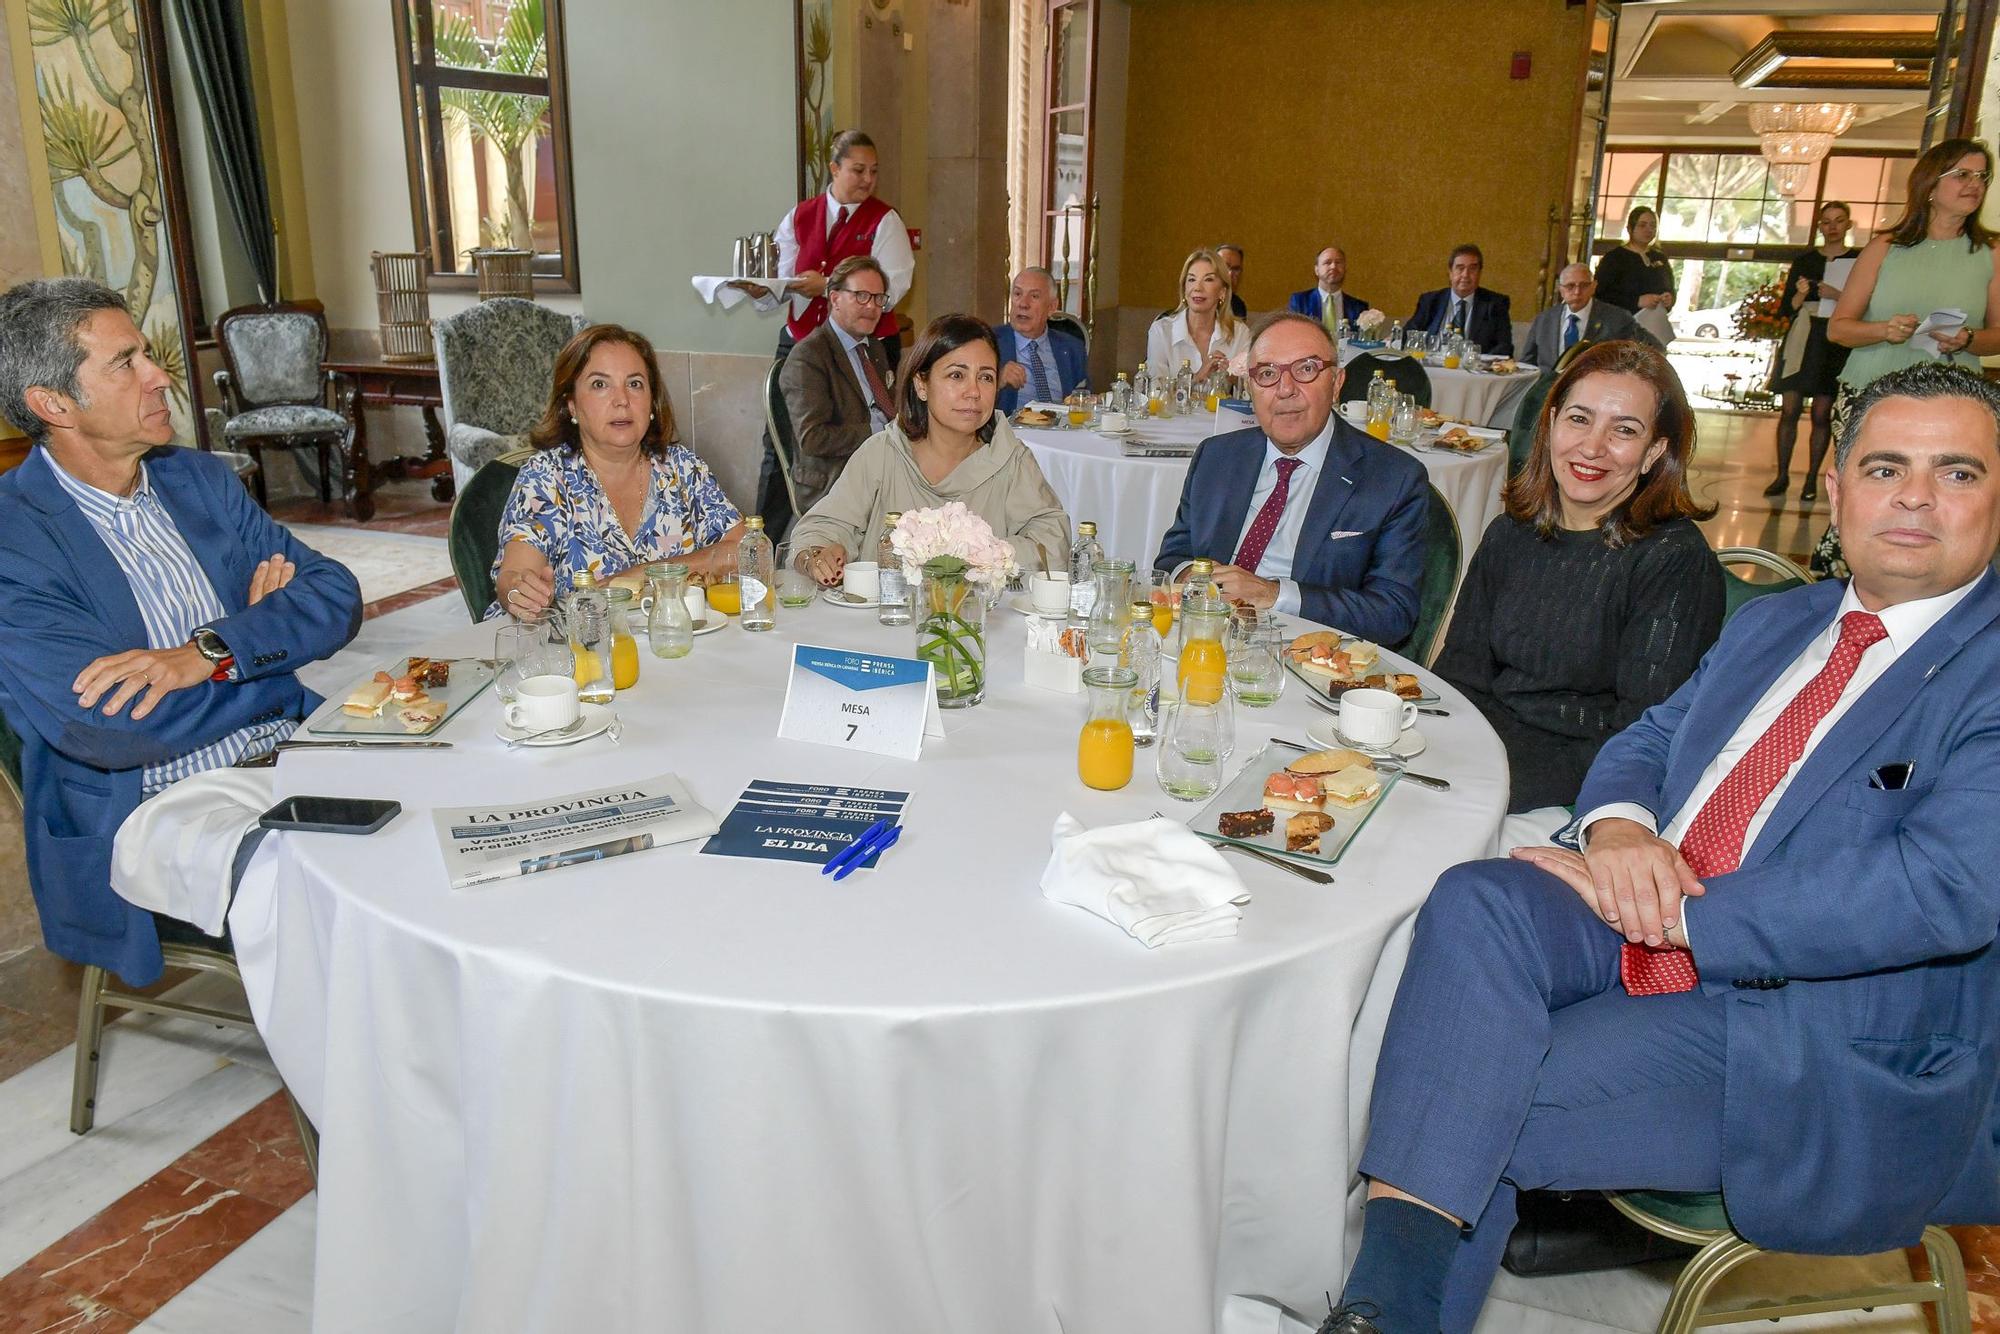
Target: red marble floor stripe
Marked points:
409	597
143	1249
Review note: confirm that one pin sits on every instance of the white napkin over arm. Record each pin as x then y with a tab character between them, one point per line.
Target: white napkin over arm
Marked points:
1156	879
175	852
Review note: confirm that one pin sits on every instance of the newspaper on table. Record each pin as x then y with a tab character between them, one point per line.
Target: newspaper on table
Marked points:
482	844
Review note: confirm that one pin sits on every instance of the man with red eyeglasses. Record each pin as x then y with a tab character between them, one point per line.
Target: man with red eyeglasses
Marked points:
1302	513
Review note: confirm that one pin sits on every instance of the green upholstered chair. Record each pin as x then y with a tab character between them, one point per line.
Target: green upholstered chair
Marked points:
1702	1219
475	527
1406	373
1570	354
182	946
1437	589
1527	415
1736	590
778	425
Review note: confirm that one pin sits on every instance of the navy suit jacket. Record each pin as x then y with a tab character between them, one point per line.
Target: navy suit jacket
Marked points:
1361	550
1072	368
1492	323
65	602
1855	942
1308	304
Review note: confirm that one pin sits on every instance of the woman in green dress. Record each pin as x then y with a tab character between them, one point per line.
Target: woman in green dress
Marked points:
1937	257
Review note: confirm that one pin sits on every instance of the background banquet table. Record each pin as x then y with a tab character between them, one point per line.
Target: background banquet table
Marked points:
1133	501
672	1091
1479	398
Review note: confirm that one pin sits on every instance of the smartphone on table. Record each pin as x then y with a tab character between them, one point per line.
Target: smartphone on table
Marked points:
331	815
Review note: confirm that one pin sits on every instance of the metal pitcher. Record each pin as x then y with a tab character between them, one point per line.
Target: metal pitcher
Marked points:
740	262
764	255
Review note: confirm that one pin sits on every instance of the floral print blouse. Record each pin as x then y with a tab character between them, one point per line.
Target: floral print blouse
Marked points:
558	507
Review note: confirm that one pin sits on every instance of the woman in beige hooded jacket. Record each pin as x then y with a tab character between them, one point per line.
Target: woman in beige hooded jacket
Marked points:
946	444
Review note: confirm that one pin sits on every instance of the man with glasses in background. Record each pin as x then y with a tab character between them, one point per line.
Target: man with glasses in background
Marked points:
1577	317
1302	513
1038	361
837	382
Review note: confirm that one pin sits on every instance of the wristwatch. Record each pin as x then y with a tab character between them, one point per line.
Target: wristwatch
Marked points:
209	644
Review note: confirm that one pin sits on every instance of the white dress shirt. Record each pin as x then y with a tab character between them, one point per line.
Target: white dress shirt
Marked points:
1284	543
1168	344
876	420
1906	623
891	249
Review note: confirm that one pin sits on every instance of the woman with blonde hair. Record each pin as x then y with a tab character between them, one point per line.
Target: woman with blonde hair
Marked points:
608	491
1200	331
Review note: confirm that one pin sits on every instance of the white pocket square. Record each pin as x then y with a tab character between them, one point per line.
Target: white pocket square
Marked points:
1335	537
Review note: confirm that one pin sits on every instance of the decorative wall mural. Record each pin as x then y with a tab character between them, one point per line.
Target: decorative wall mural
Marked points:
104	168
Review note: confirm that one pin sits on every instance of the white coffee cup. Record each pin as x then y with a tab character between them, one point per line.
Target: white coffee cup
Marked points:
862	579
1372	717
1050	592
541	703
696	601
1113	421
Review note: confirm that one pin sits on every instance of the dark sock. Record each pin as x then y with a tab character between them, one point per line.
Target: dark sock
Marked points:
1406	1250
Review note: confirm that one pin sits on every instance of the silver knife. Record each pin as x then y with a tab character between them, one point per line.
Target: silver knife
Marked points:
387	743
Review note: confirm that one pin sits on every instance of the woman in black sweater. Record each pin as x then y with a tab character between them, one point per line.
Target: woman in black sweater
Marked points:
1636	276
1594	596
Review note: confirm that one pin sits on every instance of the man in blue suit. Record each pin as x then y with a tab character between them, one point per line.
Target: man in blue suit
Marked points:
151	616
1464	305
1771	971
1303	513
1037	359
1327	300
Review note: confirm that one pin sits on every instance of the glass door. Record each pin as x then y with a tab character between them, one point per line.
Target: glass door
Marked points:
1069	205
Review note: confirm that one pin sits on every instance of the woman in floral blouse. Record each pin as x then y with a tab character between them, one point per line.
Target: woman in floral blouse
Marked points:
607	491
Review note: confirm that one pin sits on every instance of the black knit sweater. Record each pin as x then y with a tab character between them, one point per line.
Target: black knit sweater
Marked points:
1563	641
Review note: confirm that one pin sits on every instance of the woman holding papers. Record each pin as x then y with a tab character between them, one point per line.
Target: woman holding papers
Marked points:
946	444
1809	364
1932	270
608	490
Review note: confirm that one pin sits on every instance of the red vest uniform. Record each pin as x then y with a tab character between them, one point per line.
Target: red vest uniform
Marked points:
820	253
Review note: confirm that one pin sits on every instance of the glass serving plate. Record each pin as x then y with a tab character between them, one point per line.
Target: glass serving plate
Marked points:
1246	793
1326	692
469	676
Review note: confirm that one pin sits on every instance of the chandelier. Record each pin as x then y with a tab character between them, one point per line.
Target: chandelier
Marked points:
1797	134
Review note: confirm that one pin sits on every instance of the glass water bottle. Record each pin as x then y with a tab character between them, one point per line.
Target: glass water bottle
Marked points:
756	577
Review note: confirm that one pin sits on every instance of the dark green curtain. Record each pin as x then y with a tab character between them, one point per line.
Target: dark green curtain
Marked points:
219	56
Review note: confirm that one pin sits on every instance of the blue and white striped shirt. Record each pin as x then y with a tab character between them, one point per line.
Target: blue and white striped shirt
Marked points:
174	597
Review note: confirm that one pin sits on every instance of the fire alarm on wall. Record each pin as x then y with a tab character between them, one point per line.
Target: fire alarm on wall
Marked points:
916	238
1523	62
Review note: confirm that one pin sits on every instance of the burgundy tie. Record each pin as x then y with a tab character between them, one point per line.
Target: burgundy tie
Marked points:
1713	844
1266	523
840	219
878	389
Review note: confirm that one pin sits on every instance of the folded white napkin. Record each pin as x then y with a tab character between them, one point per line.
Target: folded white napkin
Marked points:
174	854
720	291
1946	321
1155	878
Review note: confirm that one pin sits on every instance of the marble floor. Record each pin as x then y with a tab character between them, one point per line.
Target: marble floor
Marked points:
188	1209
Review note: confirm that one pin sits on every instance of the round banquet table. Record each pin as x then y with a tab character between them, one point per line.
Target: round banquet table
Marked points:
1133	500
677	1092
1476	397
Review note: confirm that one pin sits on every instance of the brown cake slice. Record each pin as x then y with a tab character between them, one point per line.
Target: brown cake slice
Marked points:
1302	831
1244	824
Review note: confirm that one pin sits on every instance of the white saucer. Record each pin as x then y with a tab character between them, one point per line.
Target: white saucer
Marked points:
1407	746
716	620
1025	604
828	596
596	717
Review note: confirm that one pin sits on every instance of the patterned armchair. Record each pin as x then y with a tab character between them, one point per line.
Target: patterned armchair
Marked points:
274	395
496	361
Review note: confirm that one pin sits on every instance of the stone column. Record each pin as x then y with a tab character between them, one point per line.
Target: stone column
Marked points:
965	235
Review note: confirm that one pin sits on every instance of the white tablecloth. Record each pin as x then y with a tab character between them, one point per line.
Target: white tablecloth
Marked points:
1485	400
675	1092
1133	501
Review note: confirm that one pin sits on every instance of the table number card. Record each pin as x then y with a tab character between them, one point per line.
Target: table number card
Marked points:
860	701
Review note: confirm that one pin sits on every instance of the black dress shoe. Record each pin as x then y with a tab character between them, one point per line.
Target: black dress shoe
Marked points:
1809	492
1779	487
1356	1319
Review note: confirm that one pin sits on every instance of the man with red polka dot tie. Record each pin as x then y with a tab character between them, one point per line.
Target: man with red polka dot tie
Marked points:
1771	968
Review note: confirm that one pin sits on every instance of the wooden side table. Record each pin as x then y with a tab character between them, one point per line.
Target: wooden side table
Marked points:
381	383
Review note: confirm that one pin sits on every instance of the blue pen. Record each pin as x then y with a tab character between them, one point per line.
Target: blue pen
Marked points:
854	851
882	845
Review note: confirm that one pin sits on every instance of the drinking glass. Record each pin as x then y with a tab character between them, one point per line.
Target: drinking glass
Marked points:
522	649
795	587
1188	762
1403	421
1417	343
1469	356
1256	660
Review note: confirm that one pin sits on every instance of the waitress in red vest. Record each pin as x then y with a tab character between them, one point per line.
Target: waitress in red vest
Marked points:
847	220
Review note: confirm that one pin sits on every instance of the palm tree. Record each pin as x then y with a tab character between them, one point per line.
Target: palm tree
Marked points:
508	121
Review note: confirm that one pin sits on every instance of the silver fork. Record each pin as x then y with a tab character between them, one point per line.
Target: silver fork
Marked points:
1269	858
546	732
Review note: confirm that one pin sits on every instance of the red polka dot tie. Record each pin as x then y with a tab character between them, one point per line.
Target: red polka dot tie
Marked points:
1713	844
1266	522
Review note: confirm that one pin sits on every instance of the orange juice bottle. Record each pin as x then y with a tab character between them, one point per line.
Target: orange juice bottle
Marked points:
624	648
1104	747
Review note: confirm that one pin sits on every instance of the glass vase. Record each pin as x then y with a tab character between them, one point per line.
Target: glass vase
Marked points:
950	621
